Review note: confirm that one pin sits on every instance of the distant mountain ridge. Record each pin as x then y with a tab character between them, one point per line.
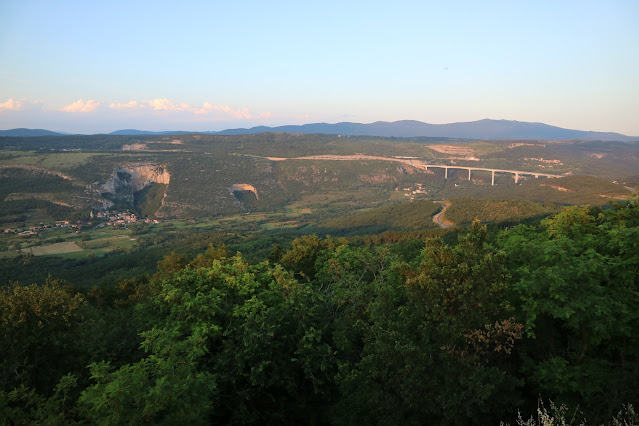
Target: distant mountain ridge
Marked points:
481	129
21	132
133	132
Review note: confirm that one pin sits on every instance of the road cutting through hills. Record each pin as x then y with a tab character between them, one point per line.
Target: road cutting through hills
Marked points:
438	217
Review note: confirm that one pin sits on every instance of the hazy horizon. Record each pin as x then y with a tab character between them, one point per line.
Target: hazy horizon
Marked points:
275	126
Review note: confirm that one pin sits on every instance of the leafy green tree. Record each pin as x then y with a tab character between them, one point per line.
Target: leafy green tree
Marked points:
165	387
172	263
22	405
230	343
36	323
212	253
305	251
351	283
576	281
438	350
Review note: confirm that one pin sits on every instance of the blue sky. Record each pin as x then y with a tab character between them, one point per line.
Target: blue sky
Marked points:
88	67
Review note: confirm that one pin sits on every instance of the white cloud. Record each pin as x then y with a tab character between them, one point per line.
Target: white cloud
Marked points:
134	112
207	111
81	106
163	104
12	105
128	105
20	105
208	108
226	112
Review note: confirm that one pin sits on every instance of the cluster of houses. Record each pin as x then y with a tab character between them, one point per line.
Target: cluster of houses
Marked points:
115	218
541	160
105	218
77	226
119	218
413	191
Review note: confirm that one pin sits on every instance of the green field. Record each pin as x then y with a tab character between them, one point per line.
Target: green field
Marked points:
53	249
60	161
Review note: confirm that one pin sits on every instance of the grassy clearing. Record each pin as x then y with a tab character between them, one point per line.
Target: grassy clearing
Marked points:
483	148
60	241
53	249
280	225
297	208
113	241
250	217
52	161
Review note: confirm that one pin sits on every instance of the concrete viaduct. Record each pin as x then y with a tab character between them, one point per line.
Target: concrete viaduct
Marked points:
417	163
517	173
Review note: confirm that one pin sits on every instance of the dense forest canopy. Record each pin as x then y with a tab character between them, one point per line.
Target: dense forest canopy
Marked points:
466	329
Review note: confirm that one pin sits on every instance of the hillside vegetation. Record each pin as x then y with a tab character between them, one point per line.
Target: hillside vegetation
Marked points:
337	331
416	215
203	168
465	210
567	190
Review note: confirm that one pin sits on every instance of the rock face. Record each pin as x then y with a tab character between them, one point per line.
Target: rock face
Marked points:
139	176
128	180
243	187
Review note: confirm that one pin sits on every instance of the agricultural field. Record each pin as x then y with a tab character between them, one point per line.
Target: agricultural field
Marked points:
53	249
54	161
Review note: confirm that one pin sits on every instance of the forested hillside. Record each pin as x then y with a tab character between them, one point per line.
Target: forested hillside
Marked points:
199	170
471	328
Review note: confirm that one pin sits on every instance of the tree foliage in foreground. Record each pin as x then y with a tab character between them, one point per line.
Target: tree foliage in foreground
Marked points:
342	333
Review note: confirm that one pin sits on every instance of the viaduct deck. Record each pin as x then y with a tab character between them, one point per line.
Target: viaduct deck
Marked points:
516	173
420	164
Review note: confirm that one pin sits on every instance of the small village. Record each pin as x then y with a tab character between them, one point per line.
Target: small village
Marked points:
100	219
413	191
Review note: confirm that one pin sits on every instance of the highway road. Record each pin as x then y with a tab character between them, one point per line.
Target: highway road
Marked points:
438	217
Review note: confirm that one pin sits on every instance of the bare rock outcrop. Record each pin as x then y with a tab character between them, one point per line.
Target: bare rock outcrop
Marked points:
243	187
129	179
137	176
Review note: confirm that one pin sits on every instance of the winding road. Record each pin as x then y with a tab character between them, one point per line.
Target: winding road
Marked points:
438	217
